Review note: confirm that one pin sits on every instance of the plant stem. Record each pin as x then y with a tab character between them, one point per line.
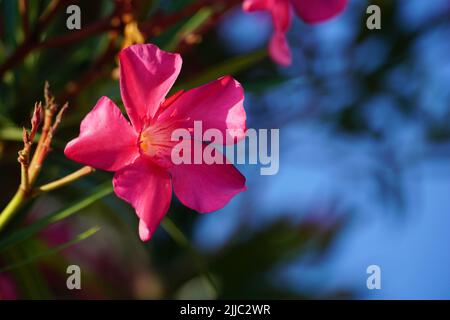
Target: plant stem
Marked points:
24	180
63	181
39	153
22	195
26	232
169	226
12	208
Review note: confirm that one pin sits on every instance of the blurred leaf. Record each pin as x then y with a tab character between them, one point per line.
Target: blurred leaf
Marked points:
195	22
27	232
197	288
78	238
263	84
230	67
13	134
267	249
174	5
4	121
10	14
177	235
29	279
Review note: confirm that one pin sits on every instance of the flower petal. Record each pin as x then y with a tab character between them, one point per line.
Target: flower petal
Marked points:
148	189
254	5
281	15
99	145
280	11
315	11
206	187
218	104
146	76
279	49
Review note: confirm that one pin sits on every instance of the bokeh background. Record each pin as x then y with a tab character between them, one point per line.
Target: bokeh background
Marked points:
364	119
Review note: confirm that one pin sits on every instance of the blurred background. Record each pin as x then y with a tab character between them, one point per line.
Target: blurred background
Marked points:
364	179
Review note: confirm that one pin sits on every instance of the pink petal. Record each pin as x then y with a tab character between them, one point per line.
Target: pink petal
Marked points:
254	5
281	15
279	49
148	189
315	11
280	11
146	76
106	141
218	104
204	187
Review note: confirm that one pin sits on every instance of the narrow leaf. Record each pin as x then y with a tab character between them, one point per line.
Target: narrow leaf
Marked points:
53	250
59	215
195	22
229	67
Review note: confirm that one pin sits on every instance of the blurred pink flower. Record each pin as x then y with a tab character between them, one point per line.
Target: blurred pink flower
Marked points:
8	290
140	153
310	11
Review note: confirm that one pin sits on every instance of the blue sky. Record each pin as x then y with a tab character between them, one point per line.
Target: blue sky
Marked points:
410	240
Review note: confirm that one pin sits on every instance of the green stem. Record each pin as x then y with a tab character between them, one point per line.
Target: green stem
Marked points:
63	181
26	232
12	207
21	195
174	232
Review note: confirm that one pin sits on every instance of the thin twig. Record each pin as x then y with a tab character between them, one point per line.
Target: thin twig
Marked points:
63	181
23	10
24	160
49	111
48	130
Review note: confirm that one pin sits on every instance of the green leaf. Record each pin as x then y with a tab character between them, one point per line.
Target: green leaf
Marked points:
10	14
6	122
53	250
59	215
10	133
13	134
174	5
265	83
195	22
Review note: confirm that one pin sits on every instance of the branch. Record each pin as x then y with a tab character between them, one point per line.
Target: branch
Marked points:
63	181
23	9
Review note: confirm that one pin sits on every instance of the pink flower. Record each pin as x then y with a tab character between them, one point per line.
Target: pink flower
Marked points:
310	11
140	153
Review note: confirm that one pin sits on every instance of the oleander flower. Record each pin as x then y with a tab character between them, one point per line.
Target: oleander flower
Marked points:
310	11
140	152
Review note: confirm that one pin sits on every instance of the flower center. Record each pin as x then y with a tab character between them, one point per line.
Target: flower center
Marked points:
155	142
